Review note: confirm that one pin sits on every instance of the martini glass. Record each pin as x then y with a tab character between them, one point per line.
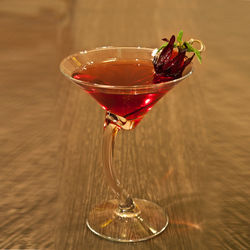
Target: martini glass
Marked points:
124	218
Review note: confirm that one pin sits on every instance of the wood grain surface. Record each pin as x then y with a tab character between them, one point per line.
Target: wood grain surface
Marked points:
190	154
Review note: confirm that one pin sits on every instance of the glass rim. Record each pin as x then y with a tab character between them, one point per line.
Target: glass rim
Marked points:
121	87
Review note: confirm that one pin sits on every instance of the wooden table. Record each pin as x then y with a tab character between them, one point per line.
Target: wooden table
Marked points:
190	154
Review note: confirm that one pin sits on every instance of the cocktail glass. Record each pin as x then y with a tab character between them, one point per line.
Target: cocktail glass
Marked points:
122	219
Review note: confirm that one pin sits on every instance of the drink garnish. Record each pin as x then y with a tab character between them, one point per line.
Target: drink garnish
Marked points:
171	59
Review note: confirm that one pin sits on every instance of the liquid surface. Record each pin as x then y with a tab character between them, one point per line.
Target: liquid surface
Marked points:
118	73
131	105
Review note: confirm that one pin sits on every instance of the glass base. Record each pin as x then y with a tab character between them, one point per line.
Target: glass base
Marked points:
145	221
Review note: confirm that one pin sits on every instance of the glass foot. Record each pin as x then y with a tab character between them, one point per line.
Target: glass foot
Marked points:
145	221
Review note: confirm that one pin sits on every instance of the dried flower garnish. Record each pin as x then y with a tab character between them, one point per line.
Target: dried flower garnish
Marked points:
171	59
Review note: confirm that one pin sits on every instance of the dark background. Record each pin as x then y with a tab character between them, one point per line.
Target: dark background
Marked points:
190	154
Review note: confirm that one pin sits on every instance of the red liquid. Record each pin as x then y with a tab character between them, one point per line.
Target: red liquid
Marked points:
128	104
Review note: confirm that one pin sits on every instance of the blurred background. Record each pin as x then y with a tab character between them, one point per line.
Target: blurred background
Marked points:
190	154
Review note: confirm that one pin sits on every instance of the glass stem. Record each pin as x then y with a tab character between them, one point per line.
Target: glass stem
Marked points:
111	127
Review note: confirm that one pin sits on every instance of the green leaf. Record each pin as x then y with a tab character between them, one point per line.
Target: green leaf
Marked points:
198	54
163	46
179	37
191	49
